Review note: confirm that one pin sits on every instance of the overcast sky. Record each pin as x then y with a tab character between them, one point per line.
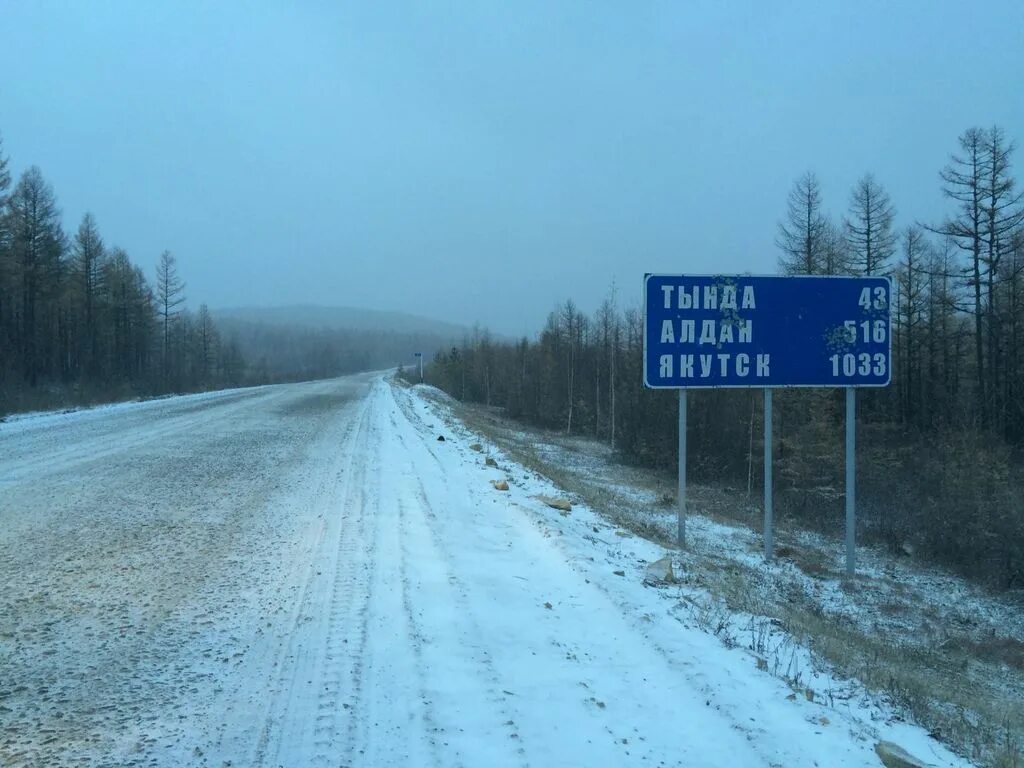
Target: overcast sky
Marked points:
482	161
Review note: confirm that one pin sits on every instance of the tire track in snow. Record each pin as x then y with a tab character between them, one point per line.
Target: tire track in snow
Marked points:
391	721
417	638
346	627
238	732
350	605
472	647
323	623
358	717
472	641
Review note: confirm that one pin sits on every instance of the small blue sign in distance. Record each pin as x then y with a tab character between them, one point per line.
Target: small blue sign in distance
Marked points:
707	331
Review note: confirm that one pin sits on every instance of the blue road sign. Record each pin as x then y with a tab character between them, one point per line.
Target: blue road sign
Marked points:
748	331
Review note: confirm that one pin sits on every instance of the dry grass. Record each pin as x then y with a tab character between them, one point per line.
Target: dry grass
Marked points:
997	650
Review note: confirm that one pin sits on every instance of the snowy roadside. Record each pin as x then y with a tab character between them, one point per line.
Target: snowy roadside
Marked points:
897	598
749	664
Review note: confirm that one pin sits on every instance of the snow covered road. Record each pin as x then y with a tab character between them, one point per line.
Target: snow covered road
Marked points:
305	576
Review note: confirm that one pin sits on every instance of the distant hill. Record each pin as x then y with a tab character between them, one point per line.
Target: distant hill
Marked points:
343	318
303	342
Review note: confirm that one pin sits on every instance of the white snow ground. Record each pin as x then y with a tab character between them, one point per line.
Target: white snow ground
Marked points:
303	576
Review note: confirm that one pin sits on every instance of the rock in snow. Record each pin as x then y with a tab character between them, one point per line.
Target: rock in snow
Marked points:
563	504
660	572
895	756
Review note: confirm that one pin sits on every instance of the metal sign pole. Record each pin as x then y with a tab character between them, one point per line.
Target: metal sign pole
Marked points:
681	533
851	479
769	541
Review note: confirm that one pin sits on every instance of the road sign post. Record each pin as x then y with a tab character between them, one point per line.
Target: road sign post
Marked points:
769	535
851	480
681	497
745	331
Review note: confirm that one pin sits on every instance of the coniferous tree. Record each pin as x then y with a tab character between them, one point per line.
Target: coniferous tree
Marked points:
837	257
802	237
36	248
169	297
5	174
207	344
911	286
963	182
6	298
869	228
1002	213
87	257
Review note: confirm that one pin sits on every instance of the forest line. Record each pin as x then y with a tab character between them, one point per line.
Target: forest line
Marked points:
939	471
